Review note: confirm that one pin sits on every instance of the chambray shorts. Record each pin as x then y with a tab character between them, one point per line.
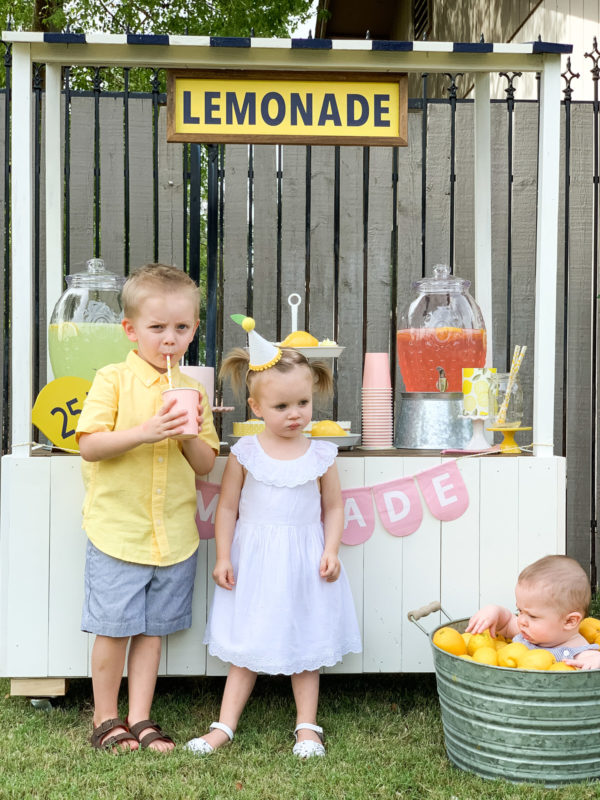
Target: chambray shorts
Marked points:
125	599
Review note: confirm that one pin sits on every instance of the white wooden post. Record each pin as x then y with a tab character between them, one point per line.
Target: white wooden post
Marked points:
54	194
483	205
22	247
546	257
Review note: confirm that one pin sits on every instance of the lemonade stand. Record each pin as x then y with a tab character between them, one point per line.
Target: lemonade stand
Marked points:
515	507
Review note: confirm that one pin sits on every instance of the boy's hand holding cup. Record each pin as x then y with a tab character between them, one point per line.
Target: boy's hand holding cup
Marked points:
186	400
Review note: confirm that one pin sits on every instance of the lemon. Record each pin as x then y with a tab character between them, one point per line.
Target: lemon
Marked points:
467	657
66	330
560	666
536	659
300	339
500	643
507	657
466	636
327	427
479	640
486	655
450	640
589	628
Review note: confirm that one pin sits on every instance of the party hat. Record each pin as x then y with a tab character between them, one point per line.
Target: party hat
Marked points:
263	354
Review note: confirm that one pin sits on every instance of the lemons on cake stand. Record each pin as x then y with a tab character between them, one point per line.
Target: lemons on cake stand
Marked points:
303	341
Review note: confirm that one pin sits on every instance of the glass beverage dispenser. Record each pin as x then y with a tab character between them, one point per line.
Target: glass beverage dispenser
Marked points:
440	331
441	328
85	331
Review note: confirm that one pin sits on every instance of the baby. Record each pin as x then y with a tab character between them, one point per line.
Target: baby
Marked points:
553	596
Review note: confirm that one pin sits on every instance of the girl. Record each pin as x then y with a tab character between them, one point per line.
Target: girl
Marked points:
282	604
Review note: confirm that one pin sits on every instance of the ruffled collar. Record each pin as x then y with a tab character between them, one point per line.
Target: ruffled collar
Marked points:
275	472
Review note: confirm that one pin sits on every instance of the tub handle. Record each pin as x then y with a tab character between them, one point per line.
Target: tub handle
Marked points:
424	611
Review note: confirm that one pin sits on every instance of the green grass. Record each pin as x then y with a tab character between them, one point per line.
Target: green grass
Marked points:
384	741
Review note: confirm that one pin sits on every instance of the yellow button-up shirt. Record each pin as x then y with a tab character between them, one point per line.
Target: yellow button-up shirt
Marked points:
140	506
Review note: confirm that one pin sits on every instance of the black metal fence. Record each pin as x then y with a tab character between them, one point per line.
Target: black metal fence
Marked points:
204	180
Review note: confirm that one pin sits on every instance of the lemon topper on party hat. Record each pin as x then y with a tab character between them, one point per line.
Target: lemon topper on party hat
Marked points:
263	354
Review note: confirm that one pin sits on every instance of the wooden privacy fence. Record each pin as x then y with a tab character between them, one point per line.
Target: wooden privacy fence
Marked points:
349	229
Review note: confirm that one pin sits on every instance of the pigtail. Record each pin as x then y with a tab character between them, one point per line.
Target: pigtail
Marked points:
234	368
322	377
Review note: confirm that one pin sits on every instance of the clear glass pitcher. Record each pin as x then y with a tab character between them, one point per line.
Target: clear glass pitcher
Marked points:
85	331
442	327
506	401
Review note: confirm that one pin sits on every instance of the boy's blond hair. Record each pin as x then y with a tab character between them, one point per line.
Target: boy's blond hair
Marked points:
154	279
563	582
235	368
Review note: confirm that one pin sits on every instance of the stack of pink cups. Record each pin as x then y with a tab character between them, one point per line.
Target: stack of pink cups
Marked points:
377	403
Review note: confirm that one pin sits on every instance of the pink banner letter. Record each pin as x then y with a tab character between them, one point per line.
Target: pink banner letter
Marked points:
399	506
207	497
359	519
444	491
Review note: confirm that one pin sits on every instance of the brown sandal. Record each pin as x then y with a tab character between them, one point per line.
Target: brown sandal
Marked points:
155	734
111	742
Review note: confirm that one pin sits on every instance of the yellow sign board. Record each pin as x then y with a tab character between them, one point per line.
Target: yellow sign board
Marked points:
294	108
57	409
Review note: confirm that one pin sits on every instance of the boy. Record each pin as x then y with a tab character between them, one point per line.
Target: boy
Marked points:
553	595
140	505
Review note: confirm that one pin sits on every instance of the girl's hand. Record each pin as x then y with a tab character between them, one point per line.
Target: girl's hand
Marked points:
164	424
223	574
330	567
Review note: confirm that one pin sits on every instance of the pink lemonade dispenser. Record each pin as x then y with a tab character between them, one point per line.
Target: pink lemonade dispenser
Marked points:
440	331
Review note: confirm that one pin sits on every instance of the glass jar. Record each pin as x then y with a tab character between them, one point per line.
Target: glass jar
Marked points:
85	331
442	328
505	413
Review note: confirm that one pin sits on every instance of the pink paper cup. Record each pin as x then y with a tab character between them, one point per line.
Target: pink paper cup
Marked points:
376	373
186	399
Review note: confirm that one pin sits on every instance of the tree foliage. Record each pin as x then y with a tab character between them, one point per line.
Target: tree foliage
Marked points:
192	17
275	18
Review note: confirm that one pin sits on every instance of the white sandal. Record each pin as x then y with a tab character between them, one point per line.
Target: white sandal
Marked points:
308	748
200	746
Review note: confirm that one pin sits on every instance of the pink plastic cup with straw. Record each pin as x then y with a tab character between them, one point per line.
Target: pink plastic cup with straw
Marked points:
186	399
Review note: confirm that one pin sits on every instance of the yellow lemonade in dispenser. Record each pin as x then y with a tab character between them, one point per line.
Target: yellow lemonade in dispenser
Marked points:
81	348
85	331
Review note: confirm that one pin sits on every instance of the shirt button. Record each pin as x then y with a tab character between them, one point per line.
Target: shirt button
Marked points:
160	459
159	521
158	491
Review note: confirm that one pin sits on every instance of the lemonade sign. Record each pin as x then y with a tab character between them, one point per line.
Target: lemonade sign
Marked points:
291	107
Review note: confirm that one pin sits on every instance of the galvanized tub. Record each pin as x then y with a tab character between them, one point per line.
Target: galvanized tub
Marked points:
519	725
432	421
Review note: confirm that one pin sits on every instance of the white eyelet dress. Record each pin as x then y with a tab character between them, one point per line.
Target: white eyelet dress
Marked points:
281	617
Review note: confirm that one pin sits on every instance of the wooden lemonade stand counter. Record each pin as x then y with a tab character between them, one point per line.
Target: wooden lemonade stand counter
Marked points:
516	509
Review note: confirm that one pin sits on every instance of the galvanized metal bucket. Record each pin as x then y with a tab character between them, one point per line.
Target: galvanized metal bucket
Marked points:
515	724
432	421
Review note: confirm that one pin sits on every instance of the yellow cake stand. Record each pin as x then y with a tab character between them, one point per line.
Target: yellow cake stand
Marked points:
508	444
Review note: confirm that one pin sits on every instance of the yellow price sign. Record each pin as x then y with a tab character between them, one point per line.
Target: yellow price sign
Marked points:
57	410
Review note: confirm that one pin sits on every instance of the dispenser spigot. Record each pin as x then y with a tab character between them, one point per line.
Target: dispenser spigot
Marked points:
442	381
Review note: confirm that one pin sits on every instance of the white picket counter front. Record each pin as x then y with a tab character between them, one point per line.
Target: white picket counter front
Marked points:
516	514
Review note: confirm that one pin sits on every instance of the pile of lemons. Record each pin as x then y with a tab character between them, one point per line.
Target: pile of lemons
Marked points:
498	652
